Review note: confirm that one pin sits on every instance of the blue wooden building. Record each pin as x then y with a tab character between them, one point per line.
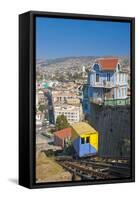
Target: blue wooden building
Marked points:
107	83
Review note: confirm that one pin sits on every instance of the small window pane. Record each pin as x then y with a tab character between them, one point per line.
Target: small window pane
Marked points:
82	140
97	77
87	139
108	77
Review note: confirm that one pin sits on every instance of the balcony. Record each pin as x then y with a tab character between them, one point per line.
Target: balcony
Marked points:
104	84
110	102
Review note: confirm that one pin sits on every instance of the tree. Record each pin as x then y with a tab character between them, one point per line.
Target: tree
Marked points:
41	108
61	122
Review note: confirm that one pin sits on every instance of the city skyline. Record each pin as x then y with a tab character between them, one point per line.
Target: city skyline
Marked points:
57	38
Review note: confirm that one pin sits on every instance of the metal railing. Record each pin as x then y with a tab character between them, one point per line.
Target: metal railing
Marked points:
110	102
104	84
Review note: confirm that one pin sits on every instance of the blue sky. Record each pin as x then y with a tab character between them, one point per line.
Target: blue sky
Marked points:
57	38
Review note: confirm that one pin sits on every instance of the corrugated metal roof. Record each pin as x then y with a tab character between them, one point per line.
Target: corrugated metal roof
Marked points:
82	128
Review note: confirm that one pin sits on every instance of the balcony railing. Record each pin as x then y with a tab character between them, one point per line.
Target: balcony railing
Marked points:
110	102
104	84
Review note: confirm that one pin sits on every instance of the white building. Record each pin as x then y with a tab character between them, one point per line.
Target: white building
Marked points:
41	97
39	118
73	113
63	96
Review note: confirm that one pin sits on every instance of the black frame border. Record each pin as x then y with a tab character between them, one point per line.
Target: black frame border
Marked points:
27	170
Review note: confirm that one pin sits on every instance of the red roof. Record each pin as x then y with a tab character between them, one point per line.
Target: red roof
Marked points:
63	133
108	63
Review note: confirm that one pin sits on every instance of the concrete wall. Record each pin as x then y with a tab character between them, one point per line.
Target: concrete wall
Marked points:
113	125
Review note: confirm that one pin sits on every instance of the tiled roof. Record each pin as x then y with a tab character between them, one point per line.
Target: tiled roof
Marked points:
63	133
108	63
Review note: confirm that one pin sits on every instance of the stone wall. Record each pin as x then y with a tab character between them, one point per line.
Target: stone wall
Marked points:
113	124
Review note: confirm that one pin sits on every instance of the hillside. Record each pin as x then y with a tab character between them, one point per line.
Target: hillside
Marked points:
70	62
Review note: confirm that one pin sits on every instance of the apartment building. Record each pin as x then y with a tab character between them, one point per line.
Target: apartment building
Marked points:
72	113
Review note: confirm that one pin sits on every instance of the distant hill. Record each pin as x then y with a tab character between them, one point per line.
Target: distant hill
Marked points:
68	62
48	62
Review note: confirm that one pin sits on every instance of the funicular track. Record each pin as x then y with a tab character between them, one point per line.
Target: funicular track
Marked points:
91	169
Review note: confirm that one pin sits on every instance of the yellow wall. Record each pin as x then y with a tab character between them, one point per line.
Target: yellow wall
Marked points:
93	139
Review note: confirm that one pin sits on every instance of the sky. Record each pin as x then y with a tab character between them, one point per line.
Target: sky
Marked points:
56	38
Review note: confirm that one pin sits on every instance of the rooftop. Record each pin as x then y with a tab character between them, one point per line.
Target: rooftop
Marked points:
63	133
108	63
82	128
66	107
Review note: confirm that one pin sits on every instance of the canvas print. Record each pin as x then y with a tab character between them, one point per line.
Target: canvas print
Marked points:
83	100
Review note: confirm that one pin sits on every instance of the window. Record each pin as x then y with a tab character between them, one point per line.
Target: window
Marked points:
119	92
82	141
87	139
85	106
119	77
108	76
118	67
96	67
116	92
123	92
97	77
123	77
